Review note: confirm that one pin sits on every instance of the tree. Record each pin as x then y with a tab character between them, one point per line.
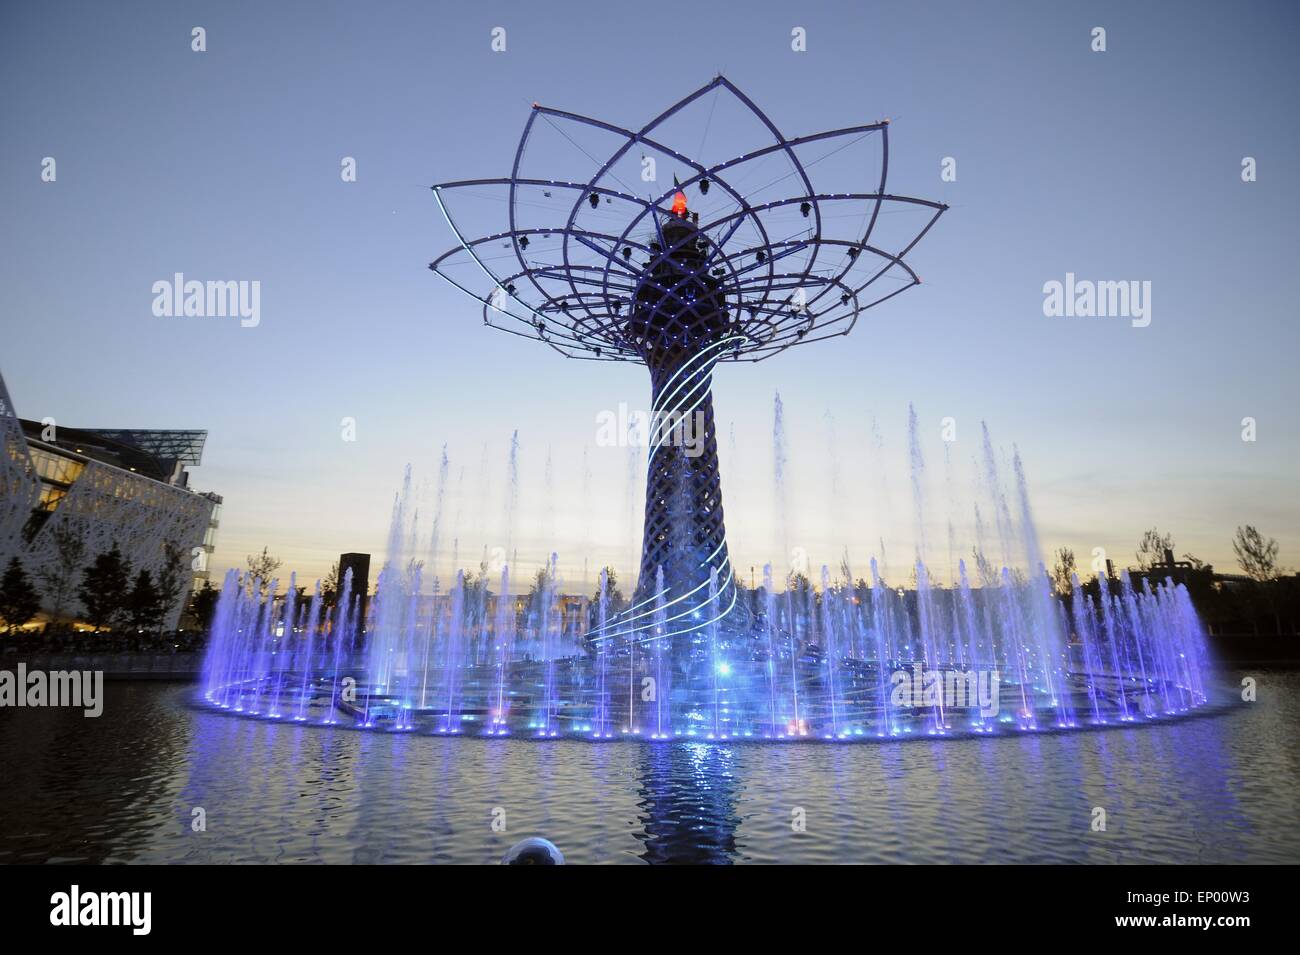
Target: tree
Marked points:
744	596
58	575
144	603
475	592
171	579
105	586
613	595
1256	556
538	585
204	604
1063	571
329	588
1151	550
19	601
615	602
984	569
261	567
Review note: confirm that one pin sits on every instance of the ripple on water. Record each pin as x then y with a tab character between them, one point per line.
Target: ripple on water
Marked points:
121	788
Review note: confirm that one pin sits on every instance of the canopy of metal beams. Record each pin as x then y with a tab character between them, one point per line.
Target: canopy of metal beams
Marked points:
779	292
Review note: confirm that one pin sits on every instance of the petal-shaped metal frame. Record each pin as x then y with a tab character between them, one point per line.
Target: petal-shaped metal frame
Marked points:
582	310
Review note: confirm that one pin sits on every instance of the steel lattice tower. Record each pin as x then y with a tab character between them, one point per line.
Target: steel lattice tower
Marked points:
678	295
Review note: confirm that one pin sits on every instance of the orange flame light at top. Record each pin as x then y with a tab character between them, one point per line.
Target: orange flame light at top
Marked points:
679	205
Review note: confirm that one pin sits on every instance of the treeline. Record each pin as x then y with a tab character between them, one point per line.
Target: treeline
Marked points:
108	593
1264	598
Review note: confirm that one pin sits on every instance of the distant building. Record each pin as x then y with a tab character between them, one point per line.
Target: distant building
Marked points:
359	564
202	573
128	488
1183	572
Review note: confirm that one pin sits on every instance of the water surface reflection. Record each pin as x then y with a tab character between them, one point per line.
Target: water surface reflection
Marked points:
124	787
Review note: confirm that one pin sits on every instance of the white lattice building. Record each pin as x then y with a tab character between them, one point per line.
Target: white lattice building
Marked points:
127	488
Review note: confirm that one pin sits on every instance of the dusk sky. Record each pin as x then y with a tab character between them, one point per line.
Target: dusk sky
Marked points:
225	165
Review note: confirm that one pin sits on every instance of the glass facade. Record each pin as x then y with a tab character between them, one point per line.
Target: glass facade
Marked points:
56	469
124	496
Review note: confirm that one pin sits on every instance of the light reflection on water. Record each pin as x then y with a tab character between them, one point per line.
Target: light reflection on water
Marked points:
122	787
